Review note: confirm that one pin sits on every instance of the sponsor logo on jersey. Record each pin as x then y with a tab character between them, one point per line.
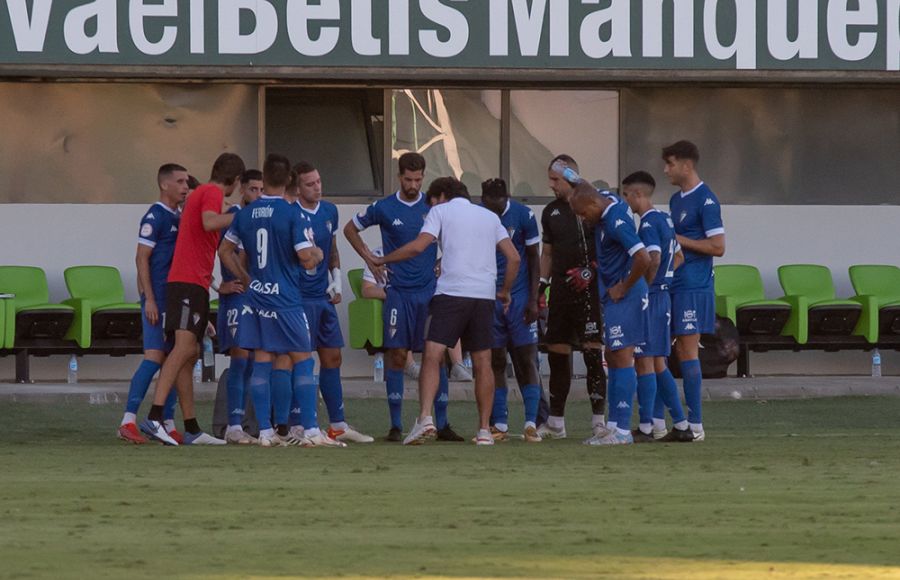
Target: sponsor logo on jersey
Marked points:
262	212
397	222
270	314
708	201
146	230
267	288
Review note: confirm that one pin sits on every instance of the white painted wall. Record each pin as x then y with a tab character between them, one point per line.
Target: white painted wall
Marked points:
55	237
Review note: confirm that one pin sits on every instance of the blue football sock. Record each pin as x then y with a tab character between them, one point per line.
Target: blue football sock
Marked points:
140	383
282	393
667	392
693	389
442	400
261	390
332	393
531	396
625	381
394	384
646	393
235	391
169	405
500	410
307	393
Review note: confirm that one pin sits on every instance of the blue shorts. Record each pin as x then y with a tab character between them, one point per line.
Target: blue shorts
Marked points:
230	306
324	326
404	314
510	328
659	331
155	334
693	313
625	322
274	331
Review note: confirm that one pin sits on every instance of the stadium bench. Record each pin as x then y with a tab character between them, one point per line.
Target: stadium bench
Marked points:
878	292
815	311
366	325
102	317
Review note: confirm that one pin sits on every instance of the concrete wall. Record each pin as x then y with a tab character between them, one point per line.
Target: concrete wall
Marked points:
56	236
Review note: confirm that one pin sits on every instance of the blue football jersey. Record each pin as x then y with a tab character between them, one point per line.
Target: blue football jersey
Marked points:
400	223
159	230
272	231
227	276
658	234
520	223
323	220
617	241
697	216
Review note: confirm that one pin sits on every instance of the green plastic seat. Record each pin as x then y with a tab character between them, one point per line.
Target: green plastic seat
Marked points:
878	291
366	324
29	315
814	308
98	297
740	297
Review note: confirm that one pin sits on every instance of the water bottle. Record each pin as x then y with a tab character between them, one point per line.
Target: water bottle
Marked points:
467	361
73	370
378	376
198	372
876	363
209	357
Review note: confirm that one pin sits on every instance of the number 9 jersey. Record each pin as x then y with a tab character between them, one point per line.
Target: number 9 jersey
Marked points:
271	231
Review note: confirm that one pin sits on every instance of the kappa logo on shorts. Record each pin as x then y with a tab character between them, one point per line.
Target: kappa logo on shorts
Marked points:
617	344
690	326
638	350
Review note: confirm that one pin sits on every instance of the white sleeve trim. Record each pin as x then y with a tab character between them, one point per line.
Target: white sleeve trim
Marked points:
677	248
232	238
715	232
302	246
656	249
636	248
356	223
148	243
533	241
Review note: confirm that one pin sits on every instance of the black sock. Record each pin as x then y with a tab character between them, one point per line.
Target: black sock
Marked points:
560	382
156	413
282	430
191	426
596	381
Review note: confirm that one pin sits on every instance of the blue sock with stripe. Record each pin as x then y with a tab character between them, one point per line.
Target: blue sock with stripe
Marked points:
394	384
442	400
140	384
531	396
332	393
261	391
646	394
668	397
235	391
693	389
282	393
306	392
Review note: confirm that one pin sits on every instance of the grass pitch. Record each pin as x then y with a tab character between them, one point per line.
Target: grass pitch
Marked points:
784	489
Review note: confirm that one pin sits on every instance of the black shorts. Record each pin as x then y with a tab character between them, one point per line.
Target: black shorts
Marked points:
451	318
187	308
574	321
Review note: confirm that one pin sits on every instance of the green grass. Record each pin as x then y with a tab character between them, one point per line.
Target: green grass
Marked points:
782	489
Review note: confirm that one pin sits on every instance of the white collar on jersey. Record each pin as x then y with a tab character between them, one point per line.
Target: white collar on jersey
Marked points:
167	208
687	193
648	212
508	205
313	211
609	207
264	196
408	203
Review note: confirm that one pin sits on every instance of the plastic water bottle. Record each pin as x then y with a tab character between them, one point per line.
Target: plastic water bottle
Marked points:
467	361
876	363
209	357
198	371
72	378
378	376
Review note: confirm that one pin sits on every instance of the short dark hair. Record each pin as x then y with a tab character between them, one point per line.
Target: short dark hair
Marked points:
227	169
495	187
584	191
251	175
276	170
449	186
167	170
193	182
411	162
567	159
640	177
682	150
304	167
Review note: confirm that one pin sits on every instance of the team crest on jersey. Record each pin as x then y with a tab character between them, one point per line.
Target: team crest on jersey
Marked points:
146	230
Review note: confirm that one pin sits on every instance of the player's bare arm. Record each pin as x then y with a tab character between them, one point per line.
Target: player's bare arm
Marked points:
213	221
639	266
410	250
678	260
334	266
142	260
310	257
357	243
713	246
654	267
230	260
513	262
533	261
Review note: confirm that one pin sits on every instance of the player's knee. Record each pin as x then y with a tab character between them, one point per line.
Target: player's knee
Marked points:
330	358
498	359
397	359
525	364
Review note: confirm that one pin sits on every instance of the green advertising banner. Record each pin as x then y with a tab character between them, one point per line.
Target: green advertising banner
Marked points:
803	35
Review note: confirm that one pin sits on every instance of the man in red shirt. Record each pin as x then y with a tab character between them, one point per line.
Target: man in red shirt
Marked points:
187	297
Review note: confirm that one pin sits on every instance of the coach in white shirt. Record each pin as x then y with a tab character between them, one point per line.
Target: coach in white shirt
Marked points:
463	304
